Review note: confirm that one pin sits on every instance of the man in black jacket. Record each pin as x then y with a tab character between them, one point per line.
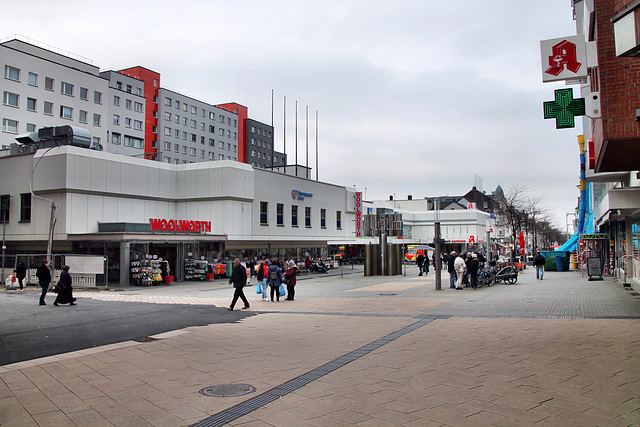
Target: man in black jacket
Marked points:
239	280
44	278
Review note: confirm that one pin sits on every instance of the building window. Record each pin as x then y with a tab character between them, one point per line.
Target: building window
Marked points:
280	214
167	116
11	99
307	217
82	118
136	142
96	119
66	112
116	100
212	115
127	122
194	110
138	107
31	127
221	132
48	83
137	125
294	216
177	133
202	138
127	141
192	151
212	142
129	88
96	141
33	79
323	218
211	156
128	104
25	207
66	88
202	154
184	149
167	146
167	102
115	138
84	93
220	118
116	119
339	220
167	131
9	125
97	97
184	106
155	82
48	108
11	73
263	213
4	208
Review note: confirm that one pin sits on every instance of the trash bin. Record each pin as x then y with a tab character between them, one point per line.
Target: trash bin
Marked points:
560	262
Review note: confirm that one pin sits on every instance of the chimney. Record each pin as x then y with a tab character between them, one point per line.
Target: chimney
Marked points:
409	197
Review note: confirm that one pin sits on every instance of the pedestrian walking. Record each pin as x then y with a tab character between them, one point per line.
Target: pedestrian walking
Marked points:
420	261
539	261
239	280
459	266
64	288
290	280
451	268
44	279
21	273
275	280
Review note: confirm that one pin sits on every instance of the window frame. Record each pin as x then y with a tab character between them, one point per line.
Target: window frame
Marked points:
264	213
280	214
294	215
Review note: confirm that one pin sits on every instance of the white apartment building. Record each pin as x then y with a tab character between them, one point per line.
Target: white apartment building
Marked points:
42	88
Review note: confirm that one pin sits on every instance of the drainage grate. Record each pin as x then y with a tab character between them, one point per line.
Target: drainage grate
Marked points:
248	406
227	390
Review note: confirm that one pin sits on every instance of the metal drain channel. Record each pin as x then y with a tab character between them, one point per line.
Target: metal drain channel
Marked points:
248	406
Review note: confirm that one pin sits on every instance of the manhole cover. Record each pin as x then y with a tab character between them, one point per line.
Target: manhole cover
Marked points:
227	390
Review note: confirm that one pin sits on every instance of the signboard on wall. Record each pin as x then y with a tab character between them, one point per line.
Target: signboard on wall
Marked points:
359	214
564	58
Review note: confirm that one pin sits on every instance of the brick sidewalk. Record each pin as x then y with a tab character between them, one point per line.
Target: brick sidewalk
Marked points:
360	351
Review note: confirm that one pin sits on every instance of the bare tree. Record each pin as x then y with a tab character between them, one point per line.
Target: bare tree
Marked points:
513	212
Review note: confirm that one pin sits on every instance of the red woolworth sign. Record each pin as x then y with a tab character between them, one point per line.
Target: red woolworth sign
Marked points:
183	225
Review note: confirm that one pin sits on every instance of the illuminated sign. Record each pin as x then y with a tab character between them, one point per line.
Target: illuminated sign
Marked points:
564	108
299	195
184	226
359	214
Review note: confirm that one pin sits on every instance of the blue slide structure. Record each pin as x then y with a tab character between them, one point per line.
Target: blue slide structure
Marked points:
585	212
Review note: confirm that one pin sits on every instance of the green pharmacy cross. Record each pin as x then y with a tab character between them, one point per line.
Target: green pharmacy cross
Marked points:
564	109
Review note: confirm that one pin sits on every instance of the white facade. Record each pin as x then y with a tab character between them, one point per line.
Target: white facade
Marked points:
109	198
457	226
41	88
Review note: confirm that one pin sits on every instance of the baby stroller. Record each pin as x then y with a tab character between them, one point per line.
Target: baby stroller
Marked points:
508	275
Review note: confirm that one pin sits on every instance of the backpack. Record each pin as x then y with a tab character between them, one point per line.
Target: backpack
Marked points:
274	275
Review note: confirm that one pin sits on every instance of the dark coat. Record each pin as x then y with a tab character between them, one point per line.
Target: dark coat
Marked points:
21	271
64	289
472	265
238	276
43	274
291	274
278	280
450	261
539	260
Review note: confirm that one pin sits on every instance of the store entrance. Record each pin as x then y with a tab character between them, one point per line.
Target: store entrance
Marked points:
168	252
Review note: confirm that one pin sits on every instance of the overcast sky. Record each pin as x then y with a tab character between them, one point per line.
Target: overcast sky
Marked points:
413	97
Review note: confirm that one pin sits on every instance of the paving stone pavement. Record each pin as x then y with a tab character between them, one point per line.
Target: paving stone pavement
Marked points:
355	350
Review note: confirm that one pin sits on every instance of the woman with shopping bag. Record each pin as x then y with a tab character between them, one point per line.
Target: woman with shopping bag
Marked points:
274	277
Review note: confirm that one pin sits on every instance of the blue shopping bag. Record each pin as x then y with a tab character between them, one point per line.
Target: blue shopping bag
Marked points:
282	291
259	287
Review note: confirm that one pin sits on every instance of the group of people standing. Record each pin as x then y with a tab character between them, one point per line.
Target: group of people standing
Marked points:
270	277
463	265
